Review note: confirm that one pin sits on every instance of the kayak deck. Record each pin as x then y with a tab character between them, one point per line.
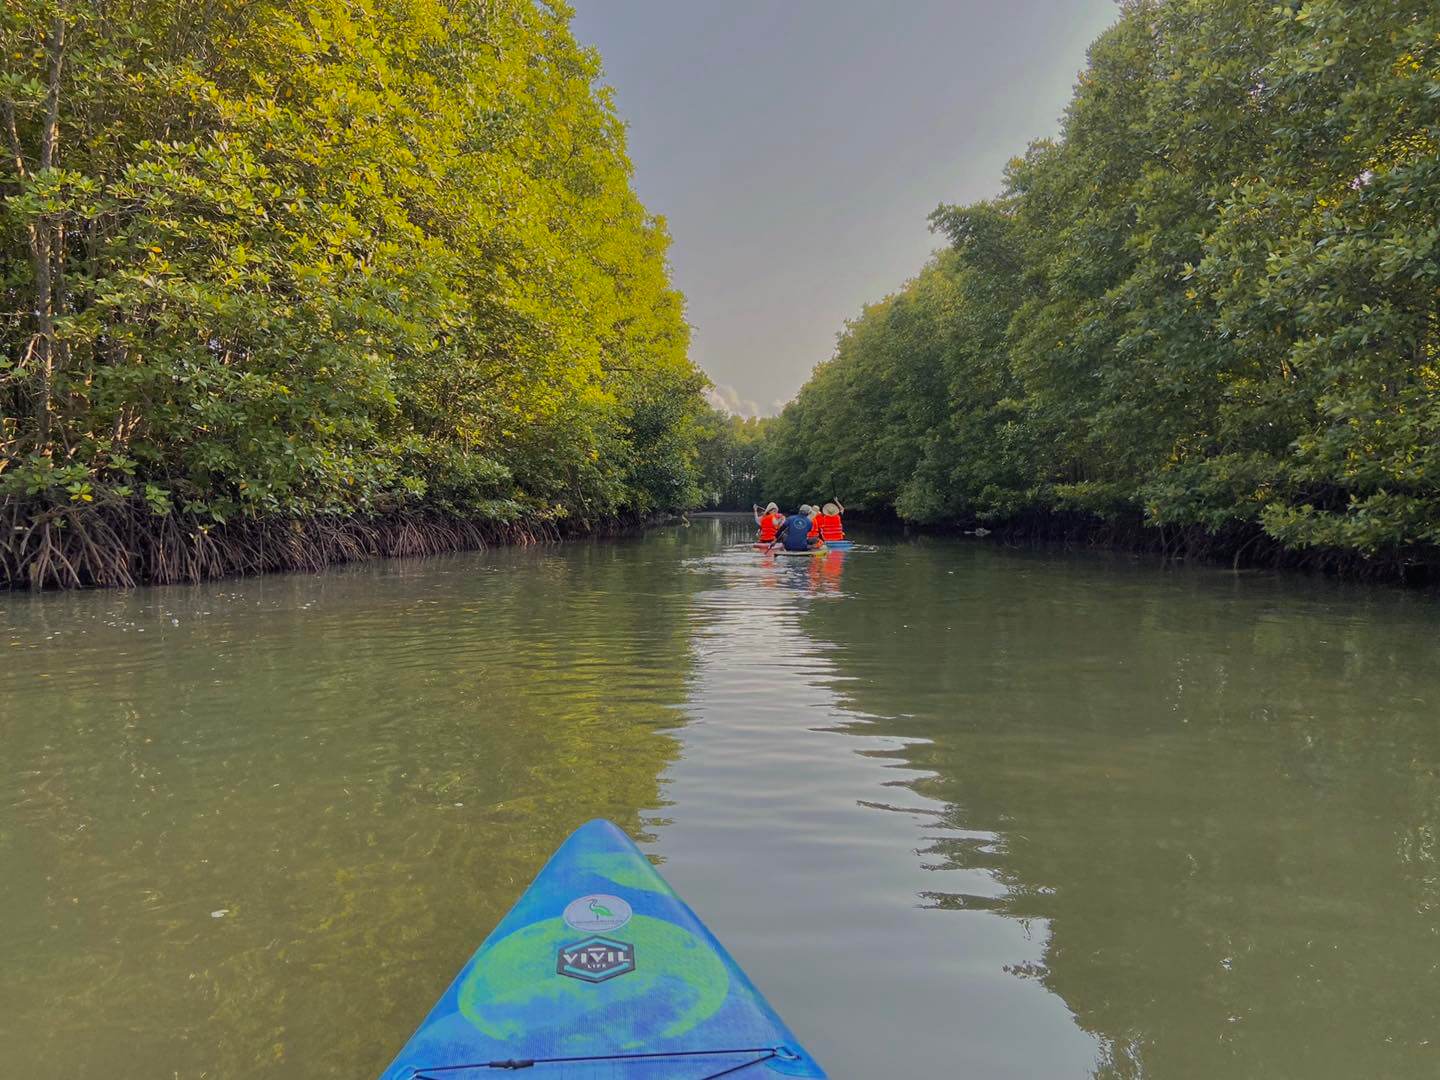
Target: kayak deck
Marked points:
601	970
830	545
663	1067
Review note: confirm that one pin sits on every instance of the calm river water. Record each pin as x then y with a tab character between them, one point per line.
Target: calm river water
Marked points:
959	810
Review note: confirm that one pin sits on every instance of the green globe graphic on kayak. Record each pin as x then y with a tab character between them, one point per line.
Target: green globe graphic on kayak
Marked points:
673	982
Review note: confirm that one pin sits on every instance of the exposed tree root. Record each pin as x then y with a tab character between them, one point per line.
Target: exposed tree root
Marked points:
123	546
1240	547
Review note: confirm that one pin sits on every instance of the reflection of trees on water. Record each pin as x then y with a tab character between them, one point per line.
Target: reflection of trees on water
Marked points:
1222	798
360	771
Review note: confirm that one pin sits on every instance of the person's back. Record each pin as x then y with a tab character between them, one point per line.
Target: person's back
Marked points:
828	522
794	535
770	523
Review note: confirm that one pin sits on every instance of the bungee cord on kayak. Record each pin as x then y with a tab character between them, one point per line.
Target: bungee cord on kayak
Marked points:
768	1053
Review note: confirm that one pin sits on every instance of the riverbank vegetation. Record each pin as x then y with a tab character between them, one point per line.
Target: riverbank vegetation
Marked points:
1208	314
288	282
729	461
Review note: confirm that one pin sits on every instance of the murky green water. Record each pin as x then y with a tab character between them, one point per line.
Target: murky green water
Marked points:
960	811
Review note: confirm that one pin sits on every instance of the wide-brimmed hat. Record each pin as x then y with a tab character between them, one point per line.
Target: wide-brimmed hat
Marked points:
771	508
831	509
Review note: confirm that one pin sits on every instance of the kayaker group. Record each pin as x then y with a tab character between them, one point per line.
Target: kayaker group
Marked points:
808	528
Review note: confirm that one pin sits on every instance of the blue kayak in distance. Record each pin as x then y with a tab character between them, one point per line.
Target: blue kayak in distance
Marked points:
601	970
830	545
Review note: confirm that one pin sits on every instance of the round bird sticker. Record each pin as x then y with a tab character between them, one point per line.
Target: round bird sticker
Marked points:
597	914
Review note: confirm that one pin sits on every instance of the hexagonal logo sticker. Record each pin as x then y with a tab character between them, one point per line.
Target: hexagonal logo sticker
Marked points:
595	959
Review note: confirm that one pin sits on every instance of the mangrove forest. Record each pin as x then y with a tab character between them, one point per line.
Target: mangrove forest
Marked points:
288	282
291	282
1206	317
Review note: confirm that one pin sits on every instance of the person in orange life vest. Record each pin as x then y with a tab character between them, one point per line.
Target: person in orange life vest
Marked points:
828	522
769	521
806	510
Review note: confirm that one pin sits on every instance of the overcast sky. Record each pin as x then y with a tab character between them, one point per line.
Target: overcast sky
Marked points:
796	147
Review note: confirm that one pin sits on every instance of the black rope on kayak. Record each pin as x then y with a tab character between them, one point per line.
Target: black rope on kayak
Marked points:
769	1052
742	1065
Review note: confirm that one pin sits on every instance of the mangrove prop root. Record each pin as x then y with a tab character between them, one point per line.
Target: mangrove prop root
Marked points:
1239	547
64	547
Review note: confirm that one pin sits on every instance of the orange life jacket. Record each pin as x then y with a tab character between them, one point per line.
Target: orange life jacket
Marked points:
830	527
768	526
815	525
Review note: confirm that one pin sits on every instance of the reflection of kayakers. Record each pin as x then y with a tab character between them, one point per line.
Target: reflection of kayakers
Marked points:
828	522
825	571
794	535
769	521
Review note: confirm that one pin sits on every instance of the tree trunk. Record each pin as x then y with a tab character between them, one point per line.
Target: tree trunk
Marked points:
43	249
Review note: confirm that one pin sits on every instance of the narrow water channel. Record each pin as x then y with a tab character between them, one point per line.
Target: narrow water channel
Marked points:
959	810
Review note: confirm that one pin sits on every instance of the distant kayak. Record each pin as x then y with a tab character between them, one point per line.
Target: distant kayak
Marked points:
834	545
601	970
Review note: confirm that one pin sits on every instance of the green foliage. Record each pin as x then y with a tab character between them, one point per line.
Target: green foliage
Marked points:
729	461
1213	303
273	257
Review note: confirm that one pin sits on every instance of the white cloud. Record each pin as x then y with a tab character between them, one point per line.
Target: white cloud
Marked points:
728	399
